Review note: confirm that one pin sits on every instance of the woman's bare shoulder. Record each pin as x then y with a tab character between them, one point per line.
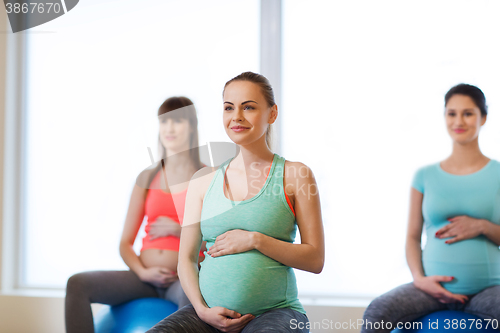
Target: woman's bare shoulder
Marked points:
201	180
296	170
145	177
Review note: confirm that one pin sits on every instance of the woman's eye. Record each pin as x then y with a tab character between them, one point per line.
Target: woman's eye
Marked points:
468	114
248	107
228	108
451	114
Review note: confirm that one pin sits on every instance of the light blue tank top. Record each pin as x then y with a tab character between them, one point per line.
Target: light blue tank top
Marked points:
475	263
248	282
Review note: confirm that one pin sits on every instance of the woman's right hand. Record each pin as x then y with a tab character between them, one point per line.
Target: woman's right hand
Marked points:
158	276
431	285
224	319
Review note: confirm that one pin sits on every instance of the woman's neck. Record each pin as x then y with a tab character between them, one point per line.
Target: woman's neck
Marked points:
177	159
464	155
253	155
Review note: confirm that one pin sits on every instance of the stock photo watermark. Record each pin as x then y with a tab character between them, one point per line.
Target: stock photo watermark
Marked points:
438	325
26	14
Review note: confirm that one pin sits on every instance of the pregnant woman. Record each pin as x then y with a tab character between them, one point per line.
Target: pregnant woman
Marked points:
247	211
458	201
153	272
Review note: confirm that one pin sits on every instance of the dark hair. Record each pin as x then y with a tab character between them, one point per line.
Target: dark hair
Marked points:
172	104
469	90
266	89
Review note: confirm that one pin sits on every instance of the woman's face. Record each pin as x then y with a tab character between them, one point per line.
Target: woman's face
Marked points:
174	133
246	112
463	119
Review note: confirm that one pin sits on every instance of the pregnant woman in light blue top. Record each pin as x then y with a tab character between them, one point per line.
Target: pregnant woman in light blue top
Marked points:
457	201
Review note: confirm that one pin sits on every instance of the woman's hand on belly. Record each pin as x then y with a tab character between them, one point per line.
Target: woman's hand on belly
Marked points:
163	227
224	319
231	242
430	285
158	276
460	228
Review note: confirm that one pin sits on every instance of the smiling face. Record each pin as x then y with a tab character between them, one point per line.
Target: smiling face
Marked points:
463	119
174	133
247	115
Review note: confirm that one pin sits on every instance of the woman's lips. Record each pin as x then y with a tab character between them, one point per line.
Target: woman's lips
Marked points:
170	137
459	130
239	128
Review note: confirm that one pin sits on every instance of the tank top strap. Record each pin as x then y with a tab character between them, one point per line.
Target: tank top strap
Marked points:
277	171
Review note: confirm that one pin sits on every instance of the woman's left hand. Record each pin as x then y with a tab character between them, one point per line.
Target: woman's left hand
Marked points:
164	226
233	241
460	228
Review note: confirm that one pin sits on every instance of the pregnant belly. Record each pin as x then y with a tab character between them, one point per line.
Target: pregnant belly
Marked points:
470	262
160	258
247	282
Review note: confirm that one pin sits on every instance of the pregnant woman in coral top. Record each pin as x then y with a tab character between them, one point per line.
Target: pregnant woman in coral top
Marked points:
247	211
458	202
154	272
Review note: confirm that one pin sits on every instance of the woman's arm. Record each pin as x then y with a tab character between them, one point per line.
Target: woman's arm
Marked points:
309	255
190	245
429	284
191	241
414	235
133	221
491	231
158	276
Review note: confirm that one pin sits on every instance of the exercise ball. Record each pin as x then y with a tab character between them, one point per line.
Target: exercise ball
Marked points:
136	316
450	321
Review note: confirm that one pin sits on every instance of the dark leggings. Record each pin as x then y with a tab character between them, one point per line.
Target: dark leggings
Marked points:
407	303
278	320
109	287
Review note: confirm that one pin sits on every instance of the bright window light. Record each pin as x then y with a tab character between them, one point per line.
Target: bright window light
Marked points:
363	91
96	77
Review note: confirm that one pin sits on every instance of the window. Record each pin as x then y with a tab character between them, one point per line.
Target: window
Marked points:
96	77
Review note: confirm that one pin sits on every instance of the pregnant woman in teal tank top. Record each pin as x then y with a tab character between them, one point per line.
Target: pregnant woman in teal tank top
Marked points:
248	210
457	201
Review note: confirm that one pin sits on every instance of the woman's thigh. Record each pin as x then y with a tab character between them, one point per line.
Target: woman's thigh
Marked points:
184	320
110	287
174	293
485	304
401	304
278	320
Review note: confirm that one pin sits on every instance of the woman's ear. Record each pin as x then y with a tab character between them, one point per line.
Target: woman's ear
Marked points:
483	120
273	114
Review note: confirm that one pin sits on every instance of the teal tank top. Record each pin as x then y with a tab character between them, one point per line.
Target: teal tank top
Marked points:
248	282
475	263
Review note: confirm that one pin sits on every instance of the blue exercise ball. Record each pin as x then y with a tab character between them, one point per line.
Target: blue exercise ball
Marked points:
136	316
450	321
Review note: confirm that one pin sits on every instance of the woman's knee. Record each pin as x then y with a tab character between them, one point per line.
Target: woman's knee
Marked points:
386	306
77	282
380	307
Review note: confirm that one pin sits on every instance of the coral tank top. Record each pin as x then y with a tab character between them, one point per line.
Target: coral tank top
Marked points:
159	203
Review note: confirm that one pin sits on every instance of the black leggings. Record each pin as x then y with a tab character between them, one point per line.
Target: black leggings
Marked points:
278	320
109	287
407	303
